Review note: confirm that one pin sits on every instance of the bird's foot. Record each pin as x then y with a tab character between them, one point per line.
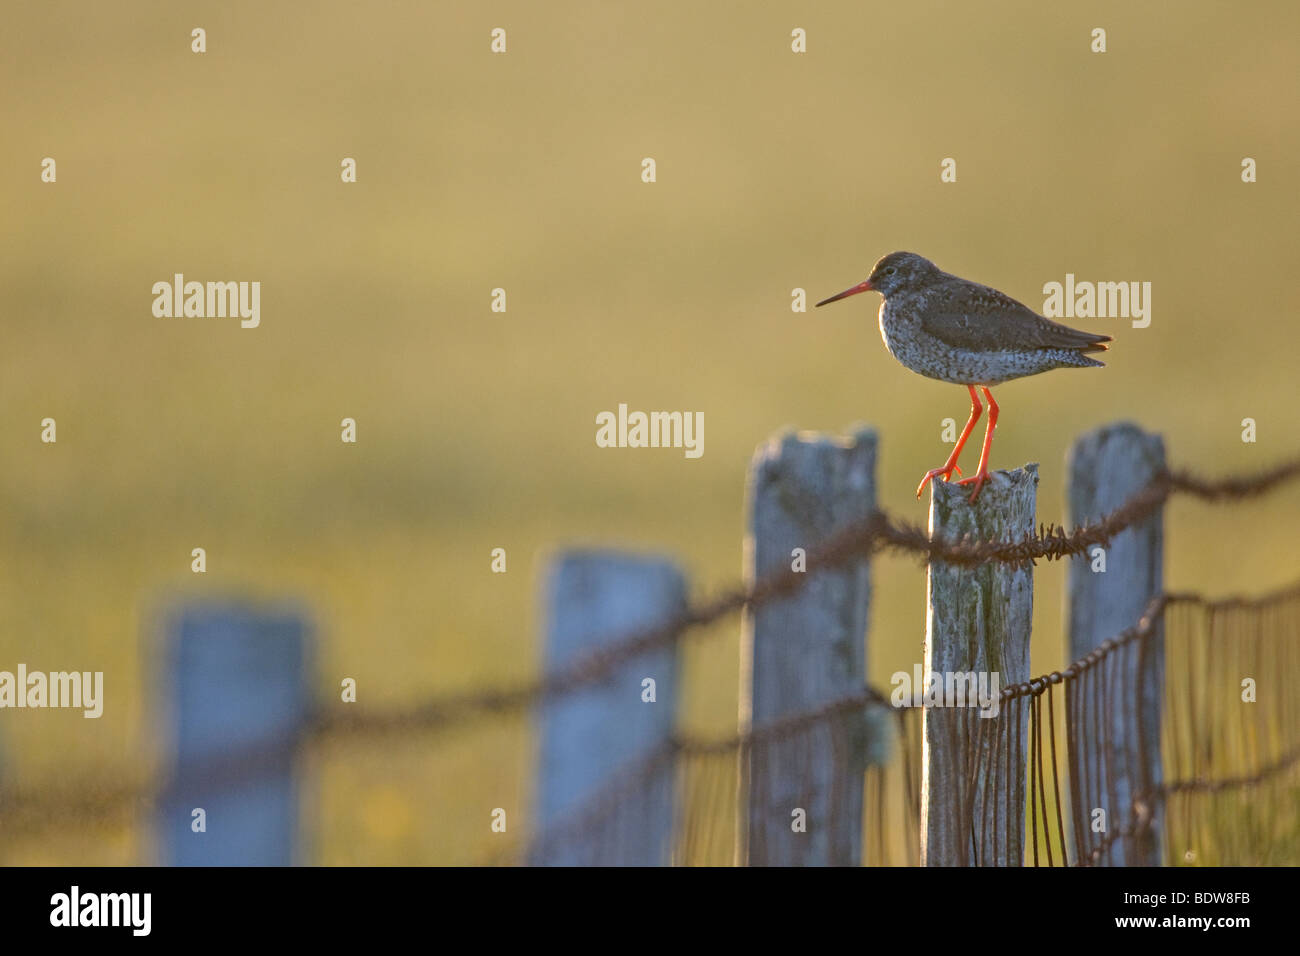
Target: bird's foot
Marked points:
945	473
977	480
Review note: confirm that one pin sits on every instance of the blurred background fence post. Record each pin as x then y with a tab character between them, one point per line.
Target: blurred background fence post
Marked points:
979	621
1106	468
804	651
237	684
594	600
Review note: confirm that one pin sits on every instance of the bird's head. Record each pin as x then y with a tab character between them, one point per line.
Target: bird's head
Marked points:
895	272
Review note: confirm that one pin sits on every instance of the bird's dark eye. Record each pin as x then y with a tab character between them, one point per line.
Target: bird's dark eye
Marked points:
890	271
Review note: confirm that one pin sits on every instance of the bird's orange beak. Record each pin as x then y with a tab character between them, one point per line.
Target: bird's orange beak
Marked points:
860	287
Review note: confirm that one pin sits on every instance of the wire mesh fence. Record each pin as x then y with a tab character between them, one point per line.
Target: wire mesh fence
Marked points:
1226	793
1226	700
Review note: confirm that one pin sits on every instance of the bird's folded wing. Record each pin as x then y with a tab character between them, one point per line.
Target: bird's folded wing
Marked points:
1004	323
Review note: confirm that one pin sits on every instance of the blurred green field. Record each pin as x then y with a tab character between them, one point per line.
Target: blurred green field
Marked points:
476	429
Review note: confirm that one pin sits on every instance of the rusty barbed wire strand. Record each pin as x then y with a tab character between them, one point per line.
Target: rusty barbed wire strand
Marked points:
787	725
877	531
99	800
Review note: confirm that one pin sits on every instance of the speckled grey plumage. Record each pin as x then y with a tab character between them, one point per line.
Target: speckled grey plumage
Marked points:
955	330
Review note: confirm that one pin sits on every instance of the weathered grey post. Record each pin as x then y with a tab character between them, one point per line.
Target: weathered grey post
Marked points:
978	622
804	651
1107	592
238	691
596	599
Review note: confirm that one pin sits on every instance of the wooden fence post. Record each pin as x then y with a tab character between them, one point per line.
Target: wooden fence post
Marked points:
804	651
238	691
978	621
596	599
1106	468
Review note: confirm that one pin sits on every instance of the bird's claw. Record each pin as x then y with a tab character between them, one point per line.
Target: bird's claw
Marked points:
978	481
945	473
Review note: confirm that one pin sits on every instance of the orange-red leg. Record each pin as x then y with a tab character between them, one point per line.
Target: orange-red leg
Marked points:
950	465
982	473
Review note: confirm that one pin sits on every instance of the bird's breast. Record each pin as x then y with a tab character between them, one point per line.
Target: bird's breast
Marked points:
900	327
898	330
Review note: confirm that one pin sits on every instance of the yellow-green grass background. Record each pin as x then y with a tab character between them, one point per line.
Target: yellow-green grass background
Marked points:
476	429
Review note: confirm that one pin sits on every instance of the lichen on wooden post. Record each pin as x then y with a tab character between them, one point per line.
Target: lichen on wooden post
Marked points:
978	621
803	802
1107	592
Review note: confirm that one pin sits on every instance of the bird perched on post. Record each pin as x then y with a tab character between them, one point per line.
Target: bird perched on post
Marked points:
959	331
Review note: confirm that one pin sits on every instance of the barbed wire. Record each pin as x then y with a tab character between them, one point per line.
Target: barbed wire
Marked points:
104	800
857	540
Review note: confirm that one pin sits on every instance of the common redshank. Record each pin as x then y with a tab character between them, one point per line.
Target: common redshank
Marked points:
959	331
